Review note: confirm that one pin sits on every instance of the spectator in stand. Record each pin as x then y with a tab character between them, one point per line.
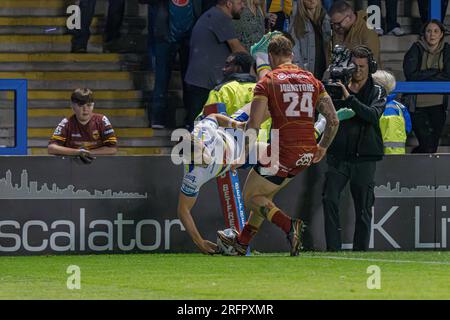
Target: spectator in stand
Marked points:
171	24
85	133
213	39
282	9
113	42
311	30
424	10
251	26
392	26
428	60
350	29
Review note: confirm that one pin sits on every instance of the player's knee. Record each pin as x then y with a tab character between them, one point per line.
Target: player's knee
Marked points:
261	201
262	205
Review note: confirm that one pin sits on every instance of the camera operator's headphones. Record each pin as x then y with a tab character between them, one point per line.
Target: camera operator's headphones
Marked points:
373	66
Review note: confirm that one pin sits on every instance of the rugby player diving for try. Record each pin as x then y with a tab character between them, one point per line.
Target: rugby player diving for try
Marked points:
208	137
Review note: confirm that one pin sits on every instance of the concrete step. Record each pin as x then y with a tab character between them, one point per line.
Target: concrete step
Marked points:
392	56
122	142
112	80
58	7
99	95
42	122
122	151
62	66
59	98
33	7
44	43
57	25
59	43
99	104
400	44
117	121
72	62
103	99
70	57
41	118
7	142
144	133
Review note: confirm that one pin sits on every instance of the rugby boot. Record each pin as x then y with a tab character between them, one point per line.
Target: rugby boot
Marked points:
295	236
231	241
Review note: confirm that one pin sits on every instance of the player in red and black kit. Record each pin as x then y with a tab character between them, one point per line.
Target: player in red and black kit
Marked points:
290	95
85	133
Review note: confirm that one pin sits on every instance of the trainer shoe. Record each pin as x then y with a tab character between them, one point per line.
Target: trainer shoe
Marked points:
295	236
263	44
345	113
158	126
397	32
78	49
231	240
379	31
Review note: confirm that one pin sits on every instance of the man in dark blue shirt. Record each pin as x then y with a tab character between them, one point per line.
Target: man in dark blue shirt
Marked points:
213	39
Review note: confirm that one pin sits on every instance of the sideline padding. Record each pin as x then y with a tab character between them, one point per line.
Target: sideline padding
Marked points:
128	204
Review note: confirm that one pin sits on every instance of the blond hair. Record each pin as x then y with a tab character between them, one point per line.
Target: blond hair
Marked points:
301	17
280	45
385	79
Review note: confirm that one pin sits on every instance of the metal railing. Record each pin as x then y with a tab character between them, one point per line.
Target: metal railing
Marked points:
422	87
20	116
435	10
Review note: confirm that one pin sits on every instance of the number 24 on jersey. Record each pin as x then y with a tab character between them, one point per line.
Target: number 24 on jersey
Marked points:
296	106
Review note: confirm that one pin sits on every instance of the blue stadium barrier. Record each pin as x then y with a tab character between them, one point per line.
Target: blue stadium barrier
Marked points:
434	11
20	120
422	87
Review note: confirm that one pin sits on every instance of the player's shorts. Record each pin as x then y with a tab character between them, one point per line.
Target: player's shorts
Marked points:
291	162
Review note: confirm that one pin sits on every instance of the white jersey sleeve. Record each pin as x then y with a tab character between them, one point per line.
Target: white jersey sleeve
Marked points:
220	145
195	177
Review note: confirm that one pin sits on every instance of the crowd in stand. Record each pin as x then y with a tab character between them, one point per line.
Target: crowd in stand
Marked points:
203	34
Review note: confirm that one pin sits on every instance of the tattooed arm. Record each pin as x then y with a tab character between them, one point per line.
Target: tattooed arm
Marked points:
326	108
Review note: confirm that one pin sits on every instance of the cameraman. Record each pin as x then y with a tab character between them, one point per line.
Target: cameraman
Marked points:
353	154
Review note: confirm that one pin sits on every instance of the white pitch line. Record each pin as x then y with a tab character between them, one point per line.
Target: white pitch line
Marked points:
378	260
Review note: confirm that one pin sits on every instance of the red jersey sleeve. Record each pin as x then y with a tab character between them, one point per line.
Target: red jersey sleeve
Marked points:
108	135
59	136
321	88
261	88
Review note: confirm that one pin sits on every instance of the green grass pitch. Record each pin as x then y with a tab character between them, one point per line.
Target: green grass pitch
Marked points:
404	275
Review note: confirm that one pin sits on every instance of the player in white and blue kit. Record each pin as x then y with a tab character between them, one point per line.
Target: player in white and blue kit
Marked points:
218	149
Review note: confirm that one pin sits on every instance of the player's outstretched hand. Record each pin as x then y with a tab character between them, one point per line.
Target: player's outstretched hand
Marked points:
320	153
208	247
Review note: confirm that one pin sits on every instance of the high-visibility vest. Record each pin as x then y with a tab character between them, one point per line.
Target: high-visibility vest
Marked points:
392	125
280	5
